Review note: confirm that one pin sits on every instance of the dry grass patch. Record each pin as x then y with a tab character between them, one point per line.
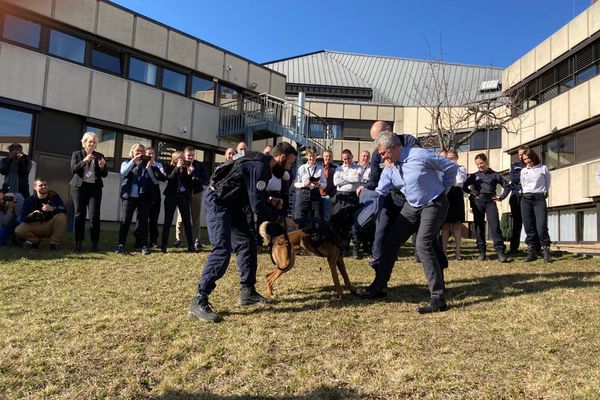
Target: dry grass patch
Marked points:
112	326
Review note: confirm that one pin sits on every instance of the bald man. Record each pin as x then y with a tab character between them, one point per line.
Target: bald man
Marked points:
241	146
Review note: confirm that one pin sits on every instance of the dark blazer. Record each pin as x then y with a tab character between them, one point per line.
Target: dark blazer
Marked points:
175	177
78	165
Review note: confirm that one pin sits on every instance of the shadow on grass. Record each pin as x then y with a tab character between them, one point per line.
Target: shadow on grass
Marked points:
321	392
462	292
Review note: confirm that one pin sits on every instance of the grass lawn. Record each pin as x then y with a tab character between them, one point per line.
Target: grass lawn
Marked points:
101	325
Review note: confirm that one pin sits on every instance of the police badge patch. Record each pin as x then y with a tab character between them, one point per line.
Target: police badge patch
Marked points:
261	185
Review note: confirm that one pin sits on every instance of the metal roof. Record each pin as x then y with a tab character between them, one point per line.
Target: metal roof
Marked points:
397	81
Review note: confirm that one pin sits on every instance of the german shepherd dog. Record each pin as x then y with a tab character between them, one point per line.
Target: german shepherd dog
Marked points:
335	240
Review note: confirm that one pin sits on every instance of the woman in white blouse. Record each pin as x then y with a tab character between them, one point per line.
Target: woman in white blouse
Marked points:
535	183
456	208
309	179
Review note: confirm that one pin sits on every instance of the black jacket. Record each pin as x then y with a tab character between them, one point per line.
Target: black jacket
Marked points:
176	178
23	168
78	166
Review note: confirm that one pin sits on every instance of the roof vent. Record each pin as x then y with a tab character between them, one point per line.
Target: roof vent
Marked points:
490	86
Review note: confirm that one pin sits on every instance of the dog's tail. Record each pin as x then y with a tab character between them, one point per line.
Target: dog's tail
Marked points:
263	230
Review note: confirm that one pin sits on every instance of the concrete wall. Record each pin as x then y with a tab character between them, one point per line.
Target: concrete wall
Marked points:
134	30
576	31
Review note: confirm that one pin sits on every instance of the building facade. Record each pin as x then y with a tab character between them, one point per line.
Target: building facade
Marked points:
71	66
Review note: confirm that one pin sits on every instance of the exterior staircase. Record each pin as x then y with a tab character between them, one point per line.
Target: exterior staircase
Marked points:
265	116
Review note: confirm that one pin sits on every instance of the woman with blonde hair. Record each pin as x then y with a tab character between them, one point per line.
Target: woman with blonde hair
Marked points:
177	195
88	168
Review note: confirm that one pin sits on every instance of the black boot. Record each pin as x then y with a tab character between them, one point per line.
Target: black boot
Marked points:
78	246
202	309
546	252
502	257
356	254
481	255
531	256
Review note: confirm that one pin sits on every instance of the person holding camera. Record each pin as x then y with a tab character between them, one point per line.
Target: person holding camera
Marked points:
136	195
88	168
309	179
16	169
11	205
199	179
347	179
177	195
43	215
157	176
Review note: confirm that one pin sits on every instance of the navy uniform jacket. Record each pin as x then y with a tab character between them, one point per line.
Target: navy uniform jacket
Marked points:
376	161
515	176
485	183
199	177
254	177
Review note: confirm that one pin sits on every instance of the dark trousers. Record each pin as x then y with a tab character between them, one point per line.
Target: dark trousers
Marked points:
483	206
342	200
426	222
535	219
228	231
308	204
87	195
388	213
181	202
517	221
128	207
153	214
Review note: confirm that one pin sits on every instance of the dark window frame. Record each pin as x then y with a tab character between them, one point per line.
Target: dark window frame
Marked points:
86	45
31	129
101	47
177	71
215	88
43	30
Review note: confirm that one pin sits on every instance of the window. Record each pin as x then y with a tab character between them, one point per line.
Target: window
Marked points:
15	127
142	71
559	152
106	139
22	31
588	143
486	139
174	81
66	46
586	74
227	94
589	225
203	89
567	226
107	60
129	141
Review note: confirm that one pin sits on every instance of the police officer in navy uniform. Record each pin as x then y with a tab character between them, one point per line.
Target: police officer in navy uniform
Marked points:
483	201
228	228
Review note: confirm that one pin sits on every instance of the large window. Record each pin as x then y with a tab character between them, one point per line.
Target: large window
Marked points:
107	60
22	31
559	152
107	140
227	94
482	140
203	89
174	81
15	127
142	71
66	46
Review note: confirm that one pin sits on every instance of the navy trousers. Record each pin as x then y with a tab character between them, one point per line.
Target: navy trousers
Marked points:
535	219
228	231
483	206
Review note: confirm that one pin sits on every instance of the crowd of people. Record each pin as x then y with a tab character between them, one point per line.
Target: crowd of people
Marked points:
419	192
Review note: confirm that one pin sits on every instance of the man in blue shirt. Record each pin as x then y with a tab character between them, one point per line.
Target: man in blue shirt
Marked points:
424	178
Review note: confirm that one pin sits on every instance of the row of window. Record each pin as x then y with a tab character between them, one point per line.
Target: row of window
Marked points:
578	68
572	148
110	59
573	225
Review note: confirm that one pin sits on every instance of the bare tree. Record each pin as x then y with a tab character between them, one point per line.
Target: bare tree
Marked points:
458	113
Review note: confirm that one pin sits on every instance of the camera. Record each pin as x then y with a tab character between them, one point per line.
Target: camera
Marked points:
9	199
187	163
313	179
145	158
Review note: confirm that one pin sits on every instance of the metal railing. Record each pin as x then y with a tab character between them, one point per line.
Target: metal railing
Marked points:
268	113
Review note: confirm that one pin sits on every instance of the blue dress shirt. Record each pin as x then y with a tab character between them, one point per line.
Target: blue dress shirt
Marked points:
420	174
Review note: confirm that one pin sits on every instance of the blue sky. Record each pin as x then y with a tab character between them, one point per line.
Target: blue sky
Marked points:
479	32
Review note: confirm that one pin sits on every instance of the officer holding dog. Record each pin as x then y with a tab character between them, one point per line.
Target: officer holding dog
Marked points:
228	228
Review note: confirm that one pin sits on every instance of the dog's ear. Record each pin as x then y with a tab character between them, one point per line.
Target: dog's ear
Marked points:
274	230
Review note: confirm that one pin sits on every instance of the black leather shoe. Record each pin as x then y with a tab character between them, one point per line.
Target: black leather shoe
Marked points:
373	294
434	305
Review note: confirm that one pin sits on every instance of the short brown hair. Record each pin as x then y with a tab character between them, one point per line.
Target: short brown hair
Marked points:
481	156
